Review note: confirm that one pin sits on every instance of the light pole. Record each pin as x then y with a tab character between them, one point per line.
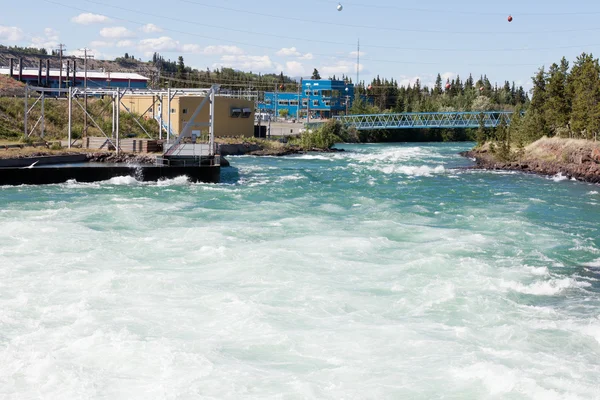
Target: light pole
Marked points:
346	100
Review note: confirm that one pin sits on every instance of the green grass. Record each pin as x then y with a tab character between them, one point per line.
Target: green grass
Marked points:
56	119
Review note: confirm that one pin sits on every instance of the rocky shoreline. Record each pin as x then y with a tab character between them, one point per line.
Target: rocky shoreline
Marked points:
256	150
136	158
123	158
574	159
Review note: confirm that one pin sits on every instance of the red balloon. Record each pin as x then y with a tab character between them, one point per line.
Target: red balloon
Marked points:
481	89
510	18
447	86
370	87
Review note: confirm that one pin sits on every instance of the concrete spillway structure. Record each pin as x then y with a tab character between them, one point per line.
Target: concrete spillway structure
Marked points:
58	169
61	174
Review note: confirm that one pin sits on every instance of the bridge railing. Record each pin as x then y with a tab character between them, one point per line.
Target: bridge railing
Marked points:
462	119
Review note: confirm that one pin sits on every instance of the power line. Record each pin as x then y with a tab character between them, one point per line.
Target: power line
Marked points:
381	28
461	11
328	55
304	39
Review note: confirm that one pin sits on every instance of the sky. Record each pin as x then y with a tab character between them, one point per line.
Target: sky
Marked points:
404	40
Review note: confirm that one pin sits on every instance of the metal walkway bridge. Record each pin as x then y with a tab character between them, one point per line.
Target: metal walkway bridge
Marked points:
420	120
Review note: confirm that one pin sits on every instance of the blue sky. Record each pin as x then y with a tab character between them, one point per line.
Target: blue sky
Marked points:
400	39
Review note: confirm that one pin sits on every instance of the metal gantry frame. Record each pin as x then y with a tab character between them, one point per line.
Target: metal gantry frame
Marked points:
209	97
463	119
41	98
116	95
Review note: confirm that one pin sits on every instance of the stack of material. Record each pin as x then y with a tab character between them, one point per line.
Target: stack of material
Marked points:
139	145
98	143
126	145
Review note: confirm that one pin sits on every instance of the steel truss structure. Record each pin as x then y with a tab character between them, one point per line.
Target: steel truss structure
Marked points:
491	119
160	97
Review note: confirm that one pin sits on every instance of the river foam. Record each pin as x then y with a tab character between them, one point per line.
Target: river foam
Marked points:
303	278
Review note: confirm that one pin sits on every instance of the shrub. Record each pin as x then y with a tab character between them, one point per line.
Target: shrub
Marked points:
324	137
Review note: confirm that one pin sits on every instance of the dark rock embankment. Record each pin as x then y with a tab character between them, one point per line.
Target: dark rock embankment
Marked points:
123	158
289	151
578	159
257	150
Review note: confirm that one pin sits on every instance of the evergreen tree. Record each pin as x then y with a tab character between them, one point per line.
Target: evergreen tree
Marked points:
557	105
457	86
469	83
315	74
180	69
534	124
584	88
437	89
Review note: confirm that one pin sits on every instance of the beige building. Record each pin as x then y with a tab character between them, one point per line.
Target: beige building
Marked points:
233	117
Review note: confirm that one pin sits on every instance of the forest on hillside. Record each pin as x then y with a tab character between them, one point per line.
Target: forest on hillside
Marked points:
383	95
177	74
565	103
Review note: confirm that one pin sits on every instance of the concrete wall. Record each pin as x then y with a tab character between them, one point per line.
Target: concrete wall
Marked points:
183	107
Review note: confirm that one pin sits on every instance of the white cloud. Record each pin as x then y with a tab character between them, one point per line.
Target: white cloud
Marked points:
125	43
116	32
91	52
294	68
288	52
355	53
11	33
151	28
89	18
246	62
341	67
307	56
163	43
48	41
411	80
212	50
166	44
191	48
101	43
448	76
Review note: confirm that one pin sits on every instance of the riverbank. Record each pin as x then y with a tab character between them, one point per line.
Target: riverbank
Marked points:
19	157
87	155
572	158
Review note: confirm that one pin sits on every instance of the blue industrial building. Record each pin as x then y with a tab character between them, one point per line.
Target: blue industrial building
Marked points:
321	98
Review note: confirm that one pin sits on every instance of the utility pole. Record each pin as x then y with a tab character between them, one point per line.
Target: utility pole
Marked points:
85	58
61	48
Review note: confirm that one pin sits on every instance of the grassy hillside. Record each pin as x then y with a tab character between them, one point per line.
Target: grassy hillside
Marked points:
12	110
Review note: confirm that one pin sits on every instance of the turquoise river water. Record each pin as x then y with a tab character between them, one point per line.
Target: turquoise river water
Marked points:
383	272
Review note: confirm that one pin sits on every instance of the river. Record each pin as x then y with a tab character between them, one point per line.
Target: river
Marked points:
388	271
